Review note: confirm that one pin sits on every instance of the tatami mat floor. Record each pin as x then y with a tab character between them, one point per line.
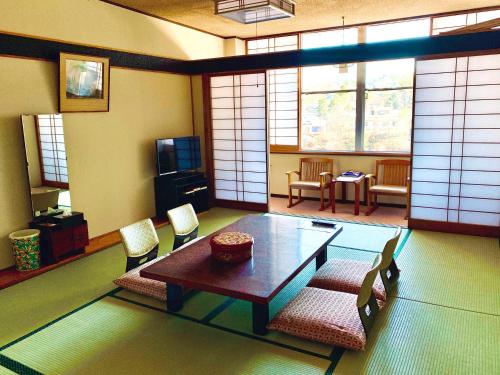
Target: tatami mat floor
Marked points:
444	317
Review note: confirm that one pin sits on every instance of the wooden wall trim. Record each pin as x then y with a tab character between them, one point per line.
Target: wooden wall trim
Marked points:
37	48
45	49
459	228
408	48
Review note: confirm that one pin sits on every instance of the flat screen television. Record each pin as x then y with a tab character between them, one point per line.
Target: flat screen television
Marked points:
177	154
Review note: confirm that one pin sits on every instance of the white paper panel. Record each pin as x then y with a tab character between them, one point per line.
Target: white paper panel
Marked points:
481	150
485	77
292	141
430	188
433	122
485	178
431	175
239	138
483	107
435	80
433	201
480	218
436	162
470	175
432	135
435	66
428	214
255	197
483	205
434	94
484	62
443	149
224	194
480	191
433	108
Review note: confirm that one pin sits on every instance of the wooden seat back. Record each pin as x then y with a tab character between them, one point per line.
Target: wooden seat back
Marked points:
392	172
310	168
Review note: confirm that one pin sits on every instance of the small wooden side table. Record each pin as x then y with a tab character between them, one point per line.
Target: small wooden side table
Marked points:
357	182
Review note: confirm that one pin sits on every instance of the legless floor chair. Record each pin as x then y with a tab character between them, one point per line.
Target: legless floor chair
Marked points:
314	174
140	242
184	223
346	275
331	317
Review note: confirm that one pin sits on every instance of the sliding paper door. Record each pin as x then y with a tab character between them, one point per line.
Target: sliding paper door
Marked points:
456	141
239	140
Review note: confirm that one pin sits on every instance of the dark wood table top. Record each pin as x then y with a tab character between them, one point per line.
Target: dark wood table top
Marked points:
283	246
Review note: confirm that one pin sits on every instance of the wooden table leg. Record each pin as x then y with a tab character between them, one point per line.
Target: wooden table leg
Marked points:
365	192
321	258
174	297
344	192
356	198
260	317
332	196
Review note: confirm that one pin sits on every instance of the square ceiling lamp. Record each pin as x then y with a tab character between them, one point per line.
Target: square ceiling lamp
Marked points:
253	11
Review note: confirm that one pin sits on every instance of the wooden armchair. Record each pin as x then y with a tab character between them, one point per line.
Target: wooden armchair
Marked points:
391	177
314	174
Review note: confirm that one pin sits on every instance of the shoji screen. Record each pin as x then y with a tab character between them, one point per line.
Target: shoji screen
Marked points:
239	138
456	141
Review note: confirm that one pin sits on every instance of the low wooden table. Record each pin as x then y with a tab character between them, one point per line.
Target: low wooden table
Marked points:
283	246
356	181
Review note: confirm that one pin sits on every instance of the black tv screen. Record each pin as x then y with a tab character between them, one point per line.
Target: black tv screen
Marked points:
178	154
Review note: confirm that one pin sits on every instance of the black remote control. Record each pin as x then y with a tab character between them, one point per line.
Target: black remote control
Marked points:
323	223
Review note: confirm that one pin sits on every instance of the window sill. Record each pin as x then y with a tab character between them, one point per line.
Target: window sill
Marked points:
351	153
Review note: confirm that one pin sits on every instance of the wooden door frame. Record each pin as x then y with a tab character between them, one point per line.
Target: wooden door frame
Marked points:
207	116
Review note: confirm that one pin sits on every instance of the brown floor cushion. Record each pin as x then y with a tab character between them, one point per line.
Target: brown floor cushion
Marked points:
135	283
346	275
322	315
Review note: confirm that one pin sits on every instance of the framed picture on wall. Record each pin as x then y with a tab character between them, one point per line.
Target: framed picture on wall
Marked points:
83	83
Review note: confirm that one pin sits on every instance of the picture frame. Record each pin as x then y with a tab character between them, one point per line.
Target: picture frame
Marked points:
83	83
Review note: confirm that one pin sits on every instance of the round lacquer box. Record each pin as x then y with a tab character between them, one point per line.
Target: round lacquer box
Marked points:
232	247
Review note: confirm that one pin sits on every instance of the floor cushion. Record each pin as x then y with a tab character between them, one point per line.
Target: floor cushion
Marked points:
322	315
346	275
152	288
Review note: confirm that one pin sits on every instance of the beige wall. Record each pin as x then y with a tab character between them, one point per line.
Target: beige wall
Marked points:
281	163
111	154
97	23
234	47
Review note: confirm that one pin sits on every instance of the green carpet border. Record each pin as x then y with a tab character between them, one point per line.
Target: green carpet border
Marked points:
16	366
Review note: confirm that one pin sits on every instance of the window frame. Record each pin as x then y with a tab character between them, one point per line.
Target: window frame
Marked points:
360	89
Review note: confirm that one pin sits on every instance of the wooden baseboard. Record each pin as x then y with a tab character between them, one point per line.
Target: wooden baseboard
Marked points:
458	228
396	205
10	276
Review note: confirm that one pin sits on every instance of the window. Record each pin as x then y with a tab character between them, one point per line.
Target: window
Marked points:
275	44
52	150
457	21
388	105
330	38
348	107
398	30
329	107
283	107
282	95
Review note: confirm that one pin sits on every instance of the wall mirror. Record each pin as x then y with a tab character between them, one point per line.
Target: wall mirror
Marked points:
46	163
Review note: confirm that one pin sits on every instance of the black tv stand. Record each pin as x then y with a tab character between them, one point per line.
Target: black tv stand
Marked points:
175	189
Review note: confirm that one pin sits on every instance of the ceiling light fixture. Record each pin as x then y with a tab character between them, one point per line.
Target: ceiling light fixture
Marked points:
253	11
